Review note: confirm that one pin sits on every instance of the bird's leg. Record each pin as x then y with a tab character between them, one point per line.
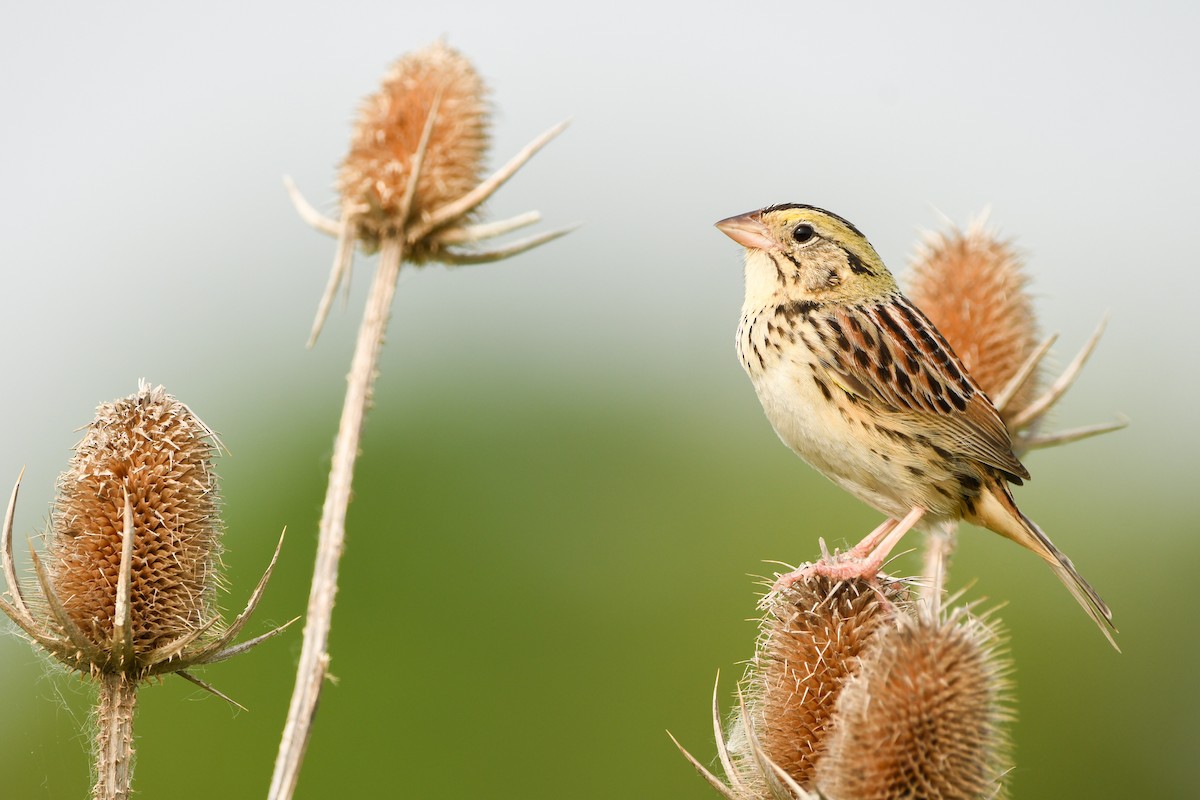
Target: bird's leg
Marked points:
864	560
874	560
863	548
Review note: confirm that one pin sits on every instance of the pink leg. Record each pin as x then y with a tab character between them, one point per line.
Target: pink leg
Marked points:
882	550
864	559
863	548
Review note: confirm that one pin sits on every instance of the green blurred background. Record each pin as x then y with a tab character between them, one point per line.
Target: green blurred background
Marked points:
567	487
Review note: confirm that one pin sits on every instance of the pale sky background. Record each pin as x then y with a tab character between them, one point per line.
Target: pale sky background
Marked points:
144	230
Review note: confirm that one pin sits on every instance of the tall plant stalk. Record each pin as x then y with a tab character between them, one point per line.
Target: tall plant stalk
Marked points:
410	186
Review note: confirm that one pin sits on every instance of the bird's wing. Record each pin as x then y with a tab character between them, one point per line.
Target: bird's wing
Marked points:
890	354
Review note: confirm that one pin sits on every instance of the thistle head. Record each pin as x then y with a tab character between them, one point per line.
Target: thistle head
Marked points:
925	715
811	637
972	285
151	452
374	177
129	577
857	693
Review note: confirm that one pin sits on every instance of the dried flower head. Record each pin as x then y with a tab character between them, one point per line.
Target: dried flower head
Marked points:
129	590
411	182
925	715
857	693
152	450
973	286
129	580
811	636
374	178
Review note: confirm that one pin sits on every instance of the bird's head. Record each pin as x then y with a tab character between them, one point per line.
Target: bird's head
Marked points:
805	252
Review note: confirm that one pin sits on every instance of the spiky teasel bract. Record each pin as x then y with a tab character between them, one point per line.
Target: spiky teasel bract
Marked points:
811	637
130	574
128	583
411	182
374	177
925	715
972	285
856	691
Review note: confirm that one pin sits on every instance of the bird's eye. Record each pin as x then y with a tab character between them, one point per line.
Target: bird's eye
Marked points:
803	232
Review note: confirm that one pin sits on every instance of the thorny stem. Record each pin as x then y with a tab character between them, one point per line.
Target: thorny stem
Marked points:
939	546
314	657
314	660
114	742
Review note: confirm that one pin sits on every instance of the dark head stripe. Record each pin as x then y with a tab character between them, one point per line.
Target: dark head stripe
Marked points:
785	206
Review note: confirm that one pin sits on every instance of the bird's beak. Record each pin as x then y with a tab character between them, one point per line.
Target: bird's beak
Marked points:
747	230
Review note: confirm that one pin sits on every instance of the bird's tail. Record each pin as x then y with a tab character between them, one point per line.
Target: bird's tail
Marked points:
997	511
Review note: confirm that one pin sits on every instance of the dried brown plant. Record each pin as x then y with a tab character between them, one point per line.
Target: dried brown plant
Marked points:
127	587
411	182
410	188
811	637
374	178
925	716
972	285
855	692
149	451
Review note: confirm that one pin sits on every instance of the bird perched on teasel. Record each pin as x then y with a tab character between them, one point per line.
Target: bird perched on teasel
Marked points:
861	385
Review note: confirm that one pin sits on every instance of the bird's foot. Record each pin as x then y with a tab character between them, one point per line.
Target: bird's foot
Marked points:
861	562
839	567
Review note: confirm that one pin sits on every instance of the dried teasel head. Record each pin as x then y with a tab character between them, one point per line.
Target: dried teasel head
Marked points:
130	573
811	637
925	715
150	451
973	286
411	182
857	693
374	178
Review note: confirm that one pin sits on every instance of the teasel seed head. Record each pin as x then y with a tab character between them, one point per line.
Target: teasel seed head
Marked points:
374	177
811	637
412	182
130	574
925	715
858	692
129	578
973	286
153	450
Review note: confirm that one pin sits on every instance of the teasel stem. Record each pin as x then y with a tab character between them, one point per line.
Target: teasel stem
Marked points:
414	199
940	544
114	740
314	655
